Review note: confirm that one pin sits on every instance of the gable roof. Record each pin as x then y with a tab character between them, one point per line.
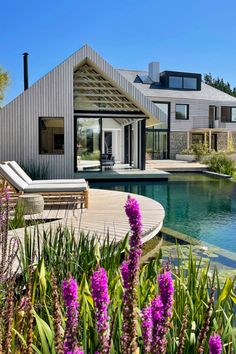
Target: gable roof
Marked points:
87	54
207	92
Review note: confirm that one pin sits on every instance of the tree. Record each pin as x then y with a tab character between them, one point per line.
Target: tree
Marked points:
4	80
219	84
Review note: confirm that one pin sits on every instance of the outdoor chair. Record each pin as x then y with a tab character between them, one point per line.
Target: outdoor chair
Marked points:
23	175
107	160
53	192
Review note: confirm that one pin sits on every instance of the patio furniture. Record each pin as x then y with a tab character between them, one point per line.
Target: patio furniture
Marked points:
54	192
107	160
31	203
17	169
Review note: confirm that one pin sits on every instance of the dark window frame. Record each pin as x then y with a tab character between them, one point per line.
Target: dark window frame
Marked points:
167	130
182	104
165	79
230	117
40	137
182	87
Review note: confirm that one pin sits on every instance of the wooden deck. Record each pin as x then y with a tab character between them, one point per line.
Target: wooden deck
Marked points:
105	213
175	166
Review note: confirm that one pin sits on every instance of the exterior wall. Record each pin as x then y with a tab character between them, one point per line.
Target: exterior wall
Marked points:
52	96
178	142
198	114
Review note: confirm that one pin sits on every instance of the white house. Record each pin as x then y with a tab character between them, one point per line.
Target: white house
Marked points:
85	115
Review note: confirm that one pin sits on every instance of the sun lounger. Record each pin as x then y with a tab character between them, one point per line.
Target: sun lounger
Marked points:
55	191
17	169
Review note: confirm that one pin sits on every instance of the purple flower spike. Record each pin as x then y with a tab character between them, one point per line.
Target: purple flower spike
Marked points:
147	329
166	288
161	312
101	301
157	318
125	273
132	209
129	271
215	345
70	296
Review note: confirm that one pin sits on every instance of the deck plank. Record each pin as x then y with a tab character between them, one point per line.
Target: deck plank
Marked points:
105	214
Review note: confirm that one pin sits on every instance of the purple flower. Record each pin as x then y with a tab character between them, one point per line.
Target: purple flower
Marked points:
129	271
70	296
125	273
147	325
101	301
166	288
75	351
132	209
161	312
215	345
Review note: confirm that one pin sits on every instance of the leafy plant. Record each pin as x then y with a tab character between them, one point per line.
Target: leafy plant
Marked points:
219	162
199	150
28	307
36	171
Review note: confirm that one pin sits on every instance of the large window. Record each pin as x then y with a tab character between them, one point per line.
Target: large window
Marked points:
181	82
51	135
175	82
157	136
163	115
182	111
228	114
88	144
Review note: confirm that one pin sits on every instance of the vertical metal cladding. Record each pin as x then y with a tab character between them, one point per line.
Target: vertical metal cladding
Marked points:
52	96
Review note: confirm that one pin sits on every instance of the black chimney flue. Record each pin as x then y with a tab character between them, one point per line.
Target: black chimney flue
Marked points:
26	79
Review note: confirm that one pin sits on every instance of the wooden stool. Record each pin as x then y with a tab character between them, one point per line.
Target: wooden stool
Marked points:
32	203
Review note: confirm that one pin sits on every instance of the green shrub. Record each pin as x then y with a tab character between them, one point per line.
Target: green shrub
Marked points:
219	162
199	150
186	152
95	155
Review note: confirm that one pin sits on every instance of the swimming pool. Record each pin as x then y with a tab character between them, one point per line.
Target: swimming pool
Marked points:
195	204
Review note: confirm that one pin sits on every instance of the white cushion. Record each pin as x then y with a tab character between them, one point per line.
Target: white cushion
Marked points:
12	177
14	165
16	168
47	188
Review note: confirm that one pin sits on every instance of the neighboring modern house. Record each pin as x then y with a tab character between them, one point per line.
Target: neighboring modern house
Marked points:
84	115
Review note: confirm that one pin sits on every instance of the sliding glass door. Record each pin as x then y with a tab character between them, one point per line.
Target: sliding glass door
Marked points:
157	136
156	144
88	143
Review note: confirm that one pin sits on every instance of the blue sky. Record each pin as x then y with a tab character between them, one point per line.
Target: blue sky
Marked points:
198	36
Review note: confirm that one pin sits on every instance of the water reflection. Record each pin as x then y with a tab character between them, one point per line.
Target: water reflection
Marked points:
195	204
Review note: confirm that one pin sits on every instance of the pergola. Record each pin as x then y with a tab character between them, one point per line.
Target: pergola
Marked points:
207	133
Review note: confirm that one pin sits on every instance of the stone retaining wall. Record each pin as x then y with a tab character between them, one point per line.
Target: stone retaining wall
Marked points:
178	142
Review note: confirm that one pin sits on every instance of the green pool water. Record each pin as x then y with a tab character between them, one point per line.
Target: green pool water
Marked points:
195	204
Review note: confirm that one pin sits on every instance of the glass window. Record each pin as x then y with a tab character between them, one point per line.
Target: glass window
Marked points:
225	114
88	144
233	114
181	111
175	82
51	136
190	83
228	114
163	114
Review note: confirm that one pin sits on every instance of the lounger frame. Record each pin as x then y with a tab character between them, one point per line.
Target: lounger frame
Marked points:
53	197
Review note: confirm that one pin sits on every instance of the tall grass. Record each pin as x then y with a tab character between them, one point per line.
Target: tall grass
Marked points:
29	305
59	252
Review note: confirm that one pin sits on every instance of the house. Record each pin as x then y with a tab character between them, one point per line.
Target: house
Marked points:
84	115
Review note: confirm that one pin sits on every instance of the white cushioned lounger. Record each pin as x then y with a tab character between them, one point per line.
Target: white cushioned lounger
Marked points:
58	190
17	169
